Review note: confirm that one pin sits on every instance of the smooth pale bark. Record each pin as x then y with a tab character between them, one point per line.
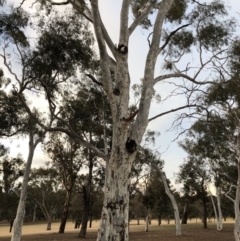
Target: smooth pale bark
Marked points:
237	199
174	203
18	222
215	213
237	195
114	220
220	225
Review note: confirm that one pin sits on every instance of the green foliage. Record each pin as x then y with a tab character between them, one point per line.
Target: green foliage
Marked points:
181	42
213	36
177	11
64	46
12	24
66	157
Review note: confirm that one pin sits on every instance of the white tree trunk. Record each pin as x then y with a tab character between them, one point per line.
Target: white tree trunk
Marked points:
18	222
174	204
146	223
219	221
114	220
237	199
219	227
236	208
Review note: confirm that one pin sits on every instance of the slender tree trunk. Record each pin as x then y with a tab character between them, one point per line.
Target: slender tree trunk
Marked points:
49	223
174	203
18	222
11	224
204	213
237	199
34	213
90	220
185	214
149	219
138	220
146	223
87	197
65	211
85	214
168	220
159	220
215	213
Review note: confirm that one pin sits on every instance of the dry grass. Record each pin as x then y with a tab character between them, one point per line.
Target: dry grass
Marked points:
191	232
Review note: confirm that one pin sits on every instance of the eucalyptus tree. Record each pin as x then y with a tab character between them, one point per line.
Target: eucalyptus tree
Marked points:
210	139
225	100
12	170
201	28
195	177
66	157
157	165
40	70
46	190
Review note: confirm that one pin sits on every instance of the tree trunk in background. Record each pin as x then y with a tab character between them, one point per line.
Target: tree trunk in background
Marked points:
185	214
159	220
146	223
237	199
204	213
220	225
65	211
138	220
174	203
87	197
34	213
49	223
11	225
18	222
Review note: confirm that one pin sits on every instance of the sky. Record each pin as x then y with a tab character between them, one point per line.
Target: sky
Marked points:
172	154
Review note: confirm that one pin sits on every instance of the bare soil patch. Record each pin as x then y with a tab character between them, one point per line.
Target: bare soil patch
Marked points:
191	232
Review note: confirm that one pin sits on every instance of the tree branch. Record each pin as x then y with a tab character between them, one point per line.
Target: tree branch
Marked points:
140	19
94	80
107	83
171	111
171	34
177	75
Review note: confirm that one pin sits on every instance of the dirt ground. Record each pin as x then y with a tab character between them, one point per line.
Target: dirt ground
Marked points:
190	232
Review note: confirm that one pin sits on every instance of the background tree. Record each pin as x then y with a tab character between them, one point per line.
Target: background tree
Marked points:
66	158
46	191
195	178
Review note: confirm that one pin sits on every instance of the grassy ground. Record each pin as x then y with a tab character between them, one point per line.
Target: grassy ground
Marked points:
190	232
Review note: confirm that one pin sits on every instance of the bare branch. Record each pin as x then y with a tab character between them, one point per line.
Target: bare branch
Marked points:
177	75
173	110
171	34
59	3
94	80
21	4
